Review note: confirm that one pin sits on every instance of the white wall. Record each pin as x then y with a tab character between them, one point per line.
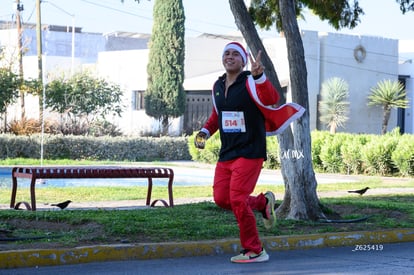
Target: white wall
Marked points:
129	68
332	55
203	57
381	62
312	47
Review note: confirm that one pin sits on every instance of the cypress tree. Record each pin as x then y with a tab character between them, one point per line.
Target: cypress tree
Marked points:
165	97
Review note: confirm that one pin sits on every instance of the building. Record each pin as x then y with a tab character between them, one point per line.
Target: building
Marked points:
406	76
362	61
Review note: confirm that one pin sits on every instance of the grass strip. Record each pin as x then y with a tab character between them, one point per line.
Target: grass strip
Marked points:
194	222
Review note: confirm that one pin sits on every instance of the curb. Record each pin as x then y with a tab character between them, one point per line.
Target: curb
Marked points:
145	251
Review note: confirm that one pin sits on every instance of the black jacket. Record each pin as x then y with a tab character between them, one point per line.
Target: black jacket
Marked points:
252	142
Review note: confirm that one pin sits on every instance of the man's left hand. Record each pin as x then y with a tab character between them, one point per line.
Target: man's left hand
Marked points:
256	64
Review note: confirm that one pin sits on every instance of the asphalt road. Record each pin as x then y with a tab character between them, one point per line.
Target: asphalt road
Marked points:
396	258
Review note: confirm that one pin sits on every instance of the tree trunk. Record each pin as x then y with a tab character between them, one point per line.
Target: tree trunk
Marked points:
245	24
300	201
386	118
304	202
164	125
332	130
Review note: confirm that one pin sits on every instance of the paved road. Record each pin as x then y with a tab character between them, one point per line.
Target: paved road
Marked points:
397	258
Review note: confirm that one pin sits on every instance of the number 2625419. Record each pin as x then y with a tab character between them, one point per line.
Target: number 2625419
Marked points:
368	247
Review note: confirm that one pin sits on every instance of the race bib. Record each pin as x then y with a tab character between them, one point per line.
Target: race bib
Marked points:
233	122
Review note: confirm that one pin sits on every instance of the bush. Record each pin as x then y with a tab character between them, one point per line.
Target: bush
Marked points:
210	153
96	128
351	154
376	155
32	126
273	153
403	155
340	153
12	146
95	148
101	128
318	139
331	154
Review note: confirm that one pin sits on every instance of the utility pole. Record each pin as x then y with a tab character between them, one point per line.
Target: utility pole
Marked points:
40	76
19	8
39	41
39	58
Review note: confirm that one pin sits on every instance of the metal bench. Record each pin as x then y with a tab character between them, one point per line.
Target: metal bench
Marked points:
91	172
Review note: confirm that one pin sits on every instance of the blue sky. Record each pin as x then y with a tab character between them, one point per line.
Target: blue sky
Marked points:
382	17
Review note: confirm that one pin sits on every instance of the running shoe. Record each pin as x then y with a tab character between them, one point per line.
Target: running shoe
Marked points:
247	256
269	215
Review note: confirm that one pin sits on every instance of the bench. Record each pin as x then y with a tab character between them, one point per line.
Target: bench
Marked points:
90	172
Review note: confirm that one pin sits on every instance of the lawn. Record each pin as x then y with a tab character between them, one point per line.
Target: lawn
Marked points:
192	221
186	222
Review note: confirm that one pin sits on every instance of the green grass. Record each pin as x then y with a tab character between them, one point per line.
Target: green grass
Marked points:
190	222
95	194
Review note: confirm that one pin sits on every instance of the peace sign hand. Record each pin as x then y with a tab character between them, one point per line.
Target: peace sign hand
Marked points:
256	67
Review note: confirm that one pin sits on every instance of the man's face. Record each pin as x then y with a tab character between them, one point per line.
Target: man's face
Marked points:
232	61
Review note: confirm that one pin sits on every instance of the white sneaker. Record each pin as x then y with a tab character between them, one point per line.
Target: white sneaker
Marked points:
269	215
247	256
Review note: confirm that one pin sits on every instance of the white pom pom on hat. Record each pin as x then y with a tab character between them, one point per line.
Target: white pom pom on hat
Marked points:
238	47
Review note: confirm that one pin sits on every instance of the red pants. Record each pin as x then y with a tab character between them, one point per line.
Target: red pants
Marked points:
234	182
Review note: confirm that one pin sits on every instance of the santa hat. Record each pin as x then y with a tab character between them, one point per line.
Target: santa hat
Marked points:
238	47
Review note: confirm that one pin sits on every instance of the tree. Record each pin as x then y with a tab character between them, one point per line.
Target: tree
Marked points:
300	200
83	97
165	97
9	84
388	94
406	5
267	13
333	106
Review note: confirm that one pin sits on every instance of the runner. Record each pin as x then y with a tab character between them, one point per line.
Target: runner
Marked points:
243	118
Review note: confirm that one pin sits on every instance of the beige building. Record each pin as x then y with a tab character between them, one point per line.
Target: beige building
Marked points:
362	61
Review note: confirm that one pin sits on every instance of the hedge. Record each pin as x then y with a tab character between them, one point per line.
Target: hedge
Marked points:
95	148
385	155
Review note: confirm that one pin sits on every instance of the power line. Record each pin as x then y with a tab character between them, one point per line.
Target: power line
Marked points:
59	8
31	14
349	66
151	19
118	10
335	46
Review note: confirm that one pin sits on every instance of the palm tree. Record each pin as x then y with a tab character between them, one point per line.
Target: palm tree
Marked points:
388	94
333	106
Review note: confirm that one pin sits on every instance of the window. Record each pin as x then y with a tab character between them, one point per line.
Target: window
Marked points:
138	100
